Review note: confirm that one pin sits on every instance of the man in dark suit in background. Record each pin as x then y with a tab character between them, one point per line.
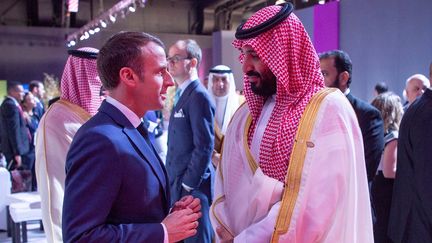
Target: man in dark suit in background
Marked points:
116	187
37	88
411	210
190	134
336	67
15	137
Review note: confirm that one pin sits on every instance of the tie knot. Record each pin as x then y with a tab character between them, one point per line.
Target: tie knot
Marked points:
142	129
177	96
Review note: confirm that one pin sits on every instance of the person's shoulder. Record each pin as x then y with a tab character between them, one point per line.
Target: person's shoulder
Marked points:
365	108
335	104
8	102
200	94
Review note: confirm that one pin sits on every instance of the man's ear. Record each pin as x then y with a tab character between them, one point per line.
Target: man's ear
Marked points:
194	63
343	78
128	76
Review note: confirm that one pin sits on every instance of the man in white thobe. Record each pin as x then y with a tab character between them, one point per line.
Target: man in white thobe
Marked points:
79	100
292	167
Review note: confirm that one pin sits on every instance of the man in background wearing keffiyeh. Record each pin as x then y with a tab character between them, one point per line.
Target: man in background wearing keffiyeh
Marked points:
292	167
79	100
222	89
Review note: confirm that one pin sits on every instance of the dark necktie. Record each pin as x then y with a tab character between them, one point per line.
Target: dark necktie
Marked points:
143	131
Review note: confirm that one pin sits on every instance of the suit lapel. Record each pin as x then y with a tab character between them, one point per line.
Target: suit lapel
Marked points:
146	151
184	97
136	139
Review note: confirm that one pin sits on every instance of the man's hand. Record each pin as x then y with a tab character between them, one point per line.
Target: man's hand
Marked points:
187	202
216	158
18	161
181	224
224	235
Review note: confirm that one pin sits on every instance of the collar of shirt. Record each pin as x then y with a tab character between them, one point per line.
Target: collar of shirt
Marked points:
184	85
347	91
14	100
130	115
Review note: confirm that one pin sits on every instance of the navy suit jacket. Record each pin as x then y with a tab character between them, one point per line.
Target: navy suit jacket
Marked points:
116	187
39	109
190	142
14	132
372	128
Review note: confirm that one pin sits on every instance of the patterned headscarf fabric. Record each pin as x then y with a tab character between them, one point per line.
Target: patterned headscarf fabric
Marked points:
80	83
288	52
232	100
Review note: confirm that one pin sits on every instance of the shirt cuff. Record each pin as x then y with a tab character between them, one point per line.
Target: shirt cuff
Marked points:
165	233
186	187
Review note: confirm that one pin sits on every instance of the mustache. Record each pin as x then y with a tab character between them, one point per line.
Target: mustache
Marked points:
253	74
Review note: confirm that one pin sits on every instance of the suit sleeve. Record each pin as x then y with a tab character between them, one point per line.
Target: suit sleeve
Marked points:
93	181
373	140
201	122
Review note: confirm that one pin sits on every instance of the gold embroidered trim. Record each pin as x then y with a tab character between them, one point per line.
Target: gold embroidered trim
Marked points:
217	201
295	168
252	163
77	109
220	163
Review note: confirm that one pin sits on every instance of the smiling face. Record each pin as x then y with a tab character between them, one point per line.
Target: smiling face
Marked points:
262	80
29	101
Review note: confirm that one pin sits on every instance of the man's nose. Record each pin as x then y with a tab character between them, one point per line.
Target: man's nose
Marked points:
247	65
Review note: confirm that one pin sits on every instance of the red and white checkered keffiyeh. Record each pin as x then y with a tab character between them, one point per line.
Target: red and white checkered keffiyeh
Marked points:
80	83
288	52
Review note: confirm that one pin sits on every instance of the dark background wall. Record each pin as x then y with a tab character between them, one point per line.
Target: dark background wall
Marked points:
388	40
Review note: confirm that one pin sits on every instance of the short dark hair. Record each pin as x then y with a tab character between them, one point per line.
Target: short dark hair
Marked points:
34	84
12	85
381	87
122	50
193	50
342	62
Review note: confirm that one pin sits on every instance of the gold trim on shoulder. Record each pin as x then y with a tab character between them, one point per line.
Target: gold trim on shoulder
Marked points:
296	162
77	109
252	163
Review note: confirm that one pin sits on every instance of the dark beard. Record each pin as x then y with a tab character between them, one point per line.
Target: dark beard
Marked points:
335	83
267	87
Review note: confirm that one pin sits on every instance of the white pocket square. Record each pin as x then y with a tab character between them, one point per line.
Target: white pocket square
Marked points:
179	114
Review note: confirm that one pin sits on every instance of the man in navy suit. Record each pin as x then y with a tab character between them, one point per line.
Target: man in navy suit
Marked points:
37	88
15	137
336	67
190	134
116	187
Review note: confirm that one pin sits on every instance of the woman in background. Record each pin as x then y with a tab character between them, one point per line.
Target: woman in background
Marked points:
390	106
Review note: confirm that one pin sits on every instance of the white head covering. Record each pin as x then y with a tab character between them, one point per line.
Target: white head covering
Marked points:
228	104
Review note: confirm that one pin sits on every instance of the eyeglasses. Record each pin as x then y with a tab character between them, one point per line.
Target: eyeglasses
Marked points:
175	59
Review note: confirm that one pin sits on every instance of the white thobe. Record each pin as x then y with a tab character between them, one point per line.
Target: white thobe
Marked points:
332	203
54	136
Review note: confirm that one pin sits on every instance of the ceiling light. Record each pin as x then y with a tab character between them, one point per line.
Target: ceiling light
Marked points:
112	18
103	24
132	8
